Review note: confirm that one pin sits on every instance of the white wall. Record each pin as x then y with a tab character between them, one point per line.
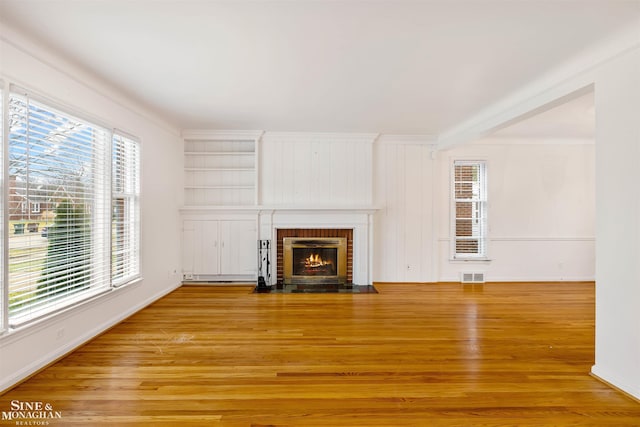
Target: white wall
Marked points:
617	96
24	351
541	210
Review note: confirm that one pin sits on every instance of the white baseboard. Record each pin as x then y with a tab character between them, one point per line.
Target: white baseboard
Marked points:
59	352
616	381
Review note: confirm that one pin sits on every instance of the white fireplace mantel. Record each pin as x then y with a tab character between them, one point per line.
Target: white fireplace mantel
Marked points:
360	219
271	218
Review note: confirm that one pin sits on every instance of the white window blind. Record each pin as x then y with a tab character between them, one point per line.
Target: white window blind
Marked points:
3	284
60	163
470	209
125	233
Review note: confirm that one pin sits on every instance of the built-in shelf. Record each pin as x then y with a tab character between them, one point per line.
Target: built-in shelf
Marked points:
220	170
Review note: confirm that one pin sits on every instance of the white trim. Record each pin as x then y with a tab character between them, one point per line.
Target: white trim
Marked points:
4	292
51	310
359	221
198	134
621	383
533	140
60	106
484	163
320	136
543	239
470	259
408	139
533	239
284	208
221	278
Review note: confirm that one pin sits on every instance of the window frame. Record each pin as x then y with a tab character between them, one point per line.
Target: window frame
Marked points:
130	195
481	200
4	209
101	187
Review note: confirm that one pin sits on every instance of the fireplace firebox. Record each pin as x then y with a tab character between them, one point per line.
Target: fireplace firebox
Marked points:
315	260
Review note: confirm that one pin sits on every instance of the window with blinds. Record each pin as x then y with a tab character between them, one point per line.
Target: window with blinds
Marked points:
470	209
125	226
72	209
3	293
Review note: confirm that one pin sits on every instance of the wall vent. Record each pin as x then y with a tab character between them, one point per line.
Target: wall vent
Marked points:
471	277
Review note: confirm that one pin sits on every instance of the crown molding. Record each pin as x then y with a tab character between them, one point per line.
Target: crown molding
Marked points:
532	140
321	136
221	134
430	140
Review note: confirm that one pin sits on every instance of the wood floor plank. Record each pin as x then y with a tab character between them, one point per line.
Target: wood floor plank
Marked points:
500	354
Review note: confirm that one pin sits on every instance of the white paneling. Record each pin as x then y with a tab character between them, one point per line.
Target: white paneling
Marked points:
286	168
316	169
338	161
404	226
301	176
429	259
320	182
414	183
385	224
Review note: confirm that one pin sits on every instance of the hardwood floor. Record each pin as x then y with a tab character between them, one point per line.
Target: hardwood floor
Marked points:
508	354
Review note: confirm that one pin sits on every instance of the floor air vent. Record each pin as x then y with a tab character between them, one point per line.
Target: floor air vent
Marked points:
472	277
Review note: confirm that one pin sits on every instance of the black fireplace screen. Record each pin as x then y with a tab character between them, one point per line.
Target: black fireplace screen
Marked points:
315	261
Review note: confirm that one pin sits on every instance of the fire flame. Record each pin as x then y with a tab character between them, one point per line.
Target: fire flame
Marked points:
314	261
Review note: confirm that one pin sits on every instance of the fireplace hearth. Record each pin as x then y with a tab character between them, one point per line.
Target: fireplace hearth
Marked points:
315	260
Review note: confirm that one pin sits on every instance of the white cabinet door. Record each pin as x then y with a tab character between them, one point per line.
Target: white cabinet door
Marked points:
238	252
201	247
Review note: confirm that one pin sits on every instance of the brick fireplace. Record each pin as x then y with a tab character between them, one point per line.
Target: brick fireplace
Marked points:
309	234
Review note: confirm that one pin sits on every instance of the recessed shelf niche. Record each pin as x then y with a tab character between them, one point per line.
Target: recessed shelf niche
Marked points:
220	170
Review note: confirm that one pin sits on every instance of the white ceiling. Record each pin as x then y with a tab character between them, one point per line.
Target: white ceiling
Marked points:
389	66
